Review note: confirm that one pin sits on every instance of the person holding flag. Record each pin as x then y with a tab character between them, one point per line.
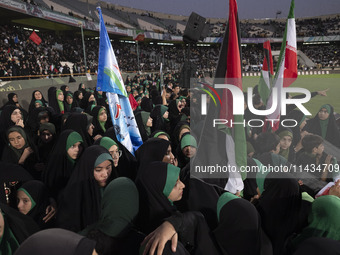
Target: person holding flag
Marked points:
110	80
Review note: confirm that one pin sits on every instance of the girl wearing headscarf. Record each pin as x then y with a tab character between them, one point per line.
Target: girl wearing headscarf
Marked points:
159	187
33	200
56	100
16	228
239	226
99	120
159	115
80	202
186	149
279	206
175	107
324	125
62	161
300	119
113	149
77	97
68	101
144	122
82	88
119	208
286	147
88	102
57	241
160	134
20	150
323	220
12	100
80	123
181	128
46	140
37	95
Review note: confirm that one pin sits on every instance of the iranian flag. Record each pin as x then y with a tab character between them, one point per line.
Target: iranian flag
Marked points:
267	73
286	70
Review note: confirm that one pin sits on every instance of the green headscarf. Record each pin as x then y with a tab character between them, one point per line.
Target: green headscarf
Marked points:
73	138
17	152
161	133
101	123
285	153
32	200
145	116
324	123
224	199
119	207
47	126
107	142
188	140
171	179
163	110
39	102
68	94
260	175
102	157
60	103
8	242
323	220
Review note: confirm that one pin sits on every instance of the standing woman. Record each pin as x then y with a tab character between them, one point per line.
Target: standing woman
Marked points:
79	205
20	150
37	95
62	161
324	125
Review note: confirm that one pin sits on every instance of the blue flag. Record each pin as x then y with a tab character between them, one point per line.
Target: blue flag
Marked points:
16	39
110	80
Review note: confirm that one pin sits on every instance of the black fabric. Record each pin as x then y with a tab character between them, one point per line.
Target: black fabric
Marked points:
317	246
80	202
97	130
174	115
158	122
12	175
333	133
59	167
76	100
78	122
32	103
84	103
250	185
21	225
127	165
239	228
297	116
279	206
10	100
55	242
154	205
141	126
175	134
146	104
53	101
35	116
39	193
68	108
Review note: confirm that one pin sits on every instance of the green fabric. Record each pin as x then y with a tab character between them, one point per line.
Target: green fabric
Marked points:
60	103
303	118
102	158
69	94
324	123
285	133
8	242
284	153
278	160
17	152
223	200
163	110
182	97
107	142
101	123
32	200
323	220
39	102
119	207
72	139
145	116
307	197
47	126
260	175
171	179
162	133
250	148
188	140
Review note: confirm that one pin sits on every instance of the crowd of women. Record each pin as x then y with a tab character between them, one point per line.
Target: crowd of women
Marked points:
68	186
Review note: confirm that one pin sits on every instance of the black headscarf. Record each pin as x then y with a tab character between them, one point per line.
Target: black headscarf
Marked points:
279	206
60	166
154	203
39	195
299	117
174	114
98	127
127	165
53	100
32	103
239	227
81	198
10	100
141	121
146	104
76	100
317	246
57	241
158	122
35	116
78	122
332	131
5	117
85	104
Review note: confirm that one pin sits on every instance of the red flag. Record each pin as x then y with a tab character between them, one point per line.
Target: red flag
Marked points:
35	38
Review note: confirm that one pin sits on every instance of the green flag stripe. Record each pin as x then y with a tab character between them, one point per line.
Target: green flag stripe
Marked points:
114	77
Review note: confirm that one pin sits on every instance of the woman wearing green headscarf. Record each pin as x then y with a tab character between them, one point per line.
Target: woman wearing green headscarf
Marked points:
323	220
99	120
62	161
186	149
144	122
324	125
286	148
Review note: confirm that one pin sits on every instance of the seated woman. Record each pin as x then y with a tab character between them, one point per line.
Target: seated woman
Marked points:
14	229
99	120
114	230
62	161
57	241
324	125
79	205
186	149
37	95
34	201
286	146
20	150
144	122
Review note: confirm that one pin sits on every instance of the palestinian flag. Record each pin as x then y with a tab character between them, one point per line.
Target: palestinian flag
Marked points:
267	73
286	70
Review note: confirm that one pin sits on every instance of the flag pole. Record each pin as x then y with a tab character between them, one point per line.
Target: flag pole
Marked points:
84	52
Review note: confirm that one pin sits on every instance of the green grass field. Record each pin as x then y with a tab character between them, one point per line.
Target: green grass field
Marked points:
312	83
